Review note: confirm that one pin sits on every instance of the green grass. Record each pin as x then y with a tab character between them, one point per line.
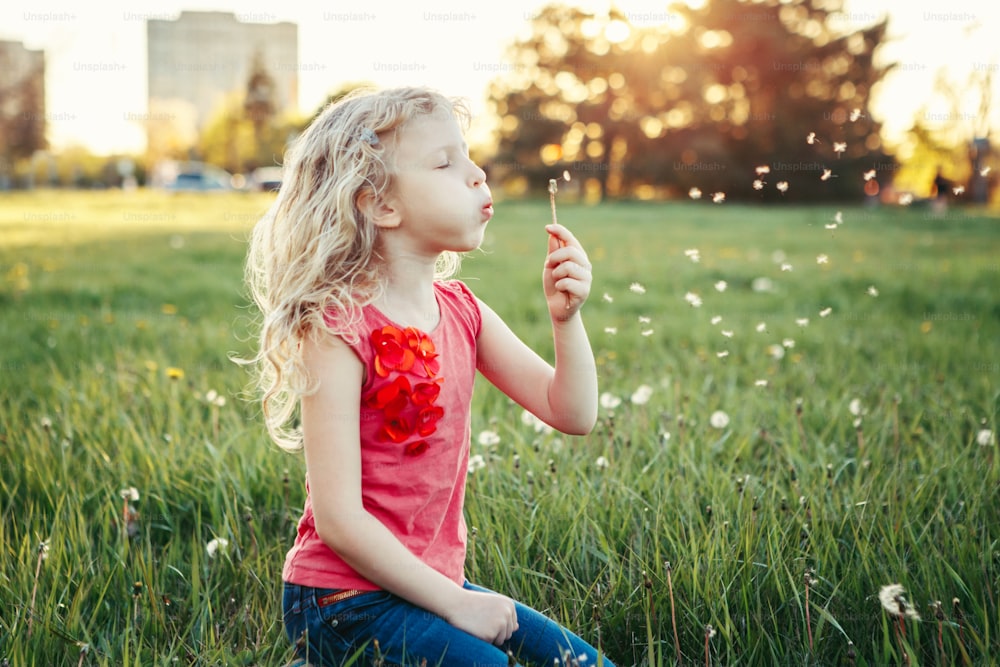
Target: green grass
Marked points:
101	293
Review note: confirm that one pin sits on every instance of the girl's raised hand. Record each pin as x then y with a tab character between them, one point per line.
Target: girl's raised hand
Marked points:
566	276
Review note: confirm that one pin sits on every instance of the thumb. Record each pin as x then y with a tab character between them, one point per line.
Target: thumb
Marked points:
554	243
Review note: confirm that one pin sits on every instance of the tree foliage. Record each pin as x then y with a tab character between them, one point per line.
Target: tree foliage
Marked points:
22	116
699	99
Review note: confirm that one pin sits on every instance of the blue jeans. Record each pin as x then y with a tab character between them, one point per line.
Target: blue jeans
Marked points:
330	631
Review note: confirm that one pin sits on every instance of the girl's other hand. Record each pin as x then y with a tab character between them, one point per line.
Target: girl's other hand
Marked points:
489	616
566	277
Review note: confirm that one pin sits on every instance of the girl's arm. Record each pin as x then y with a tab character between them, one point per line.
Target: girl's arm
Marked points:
330	425
564	396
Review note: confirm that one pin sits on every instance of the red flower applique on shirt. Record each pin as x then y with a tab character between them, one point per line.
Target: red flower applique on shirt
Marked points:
408	409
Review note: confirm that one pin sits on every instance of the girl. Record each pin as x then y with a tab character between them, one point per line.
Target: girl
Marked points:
362	333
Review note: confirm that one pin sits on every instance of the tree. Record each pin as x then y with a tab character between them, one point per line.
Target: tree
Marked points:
22	114
259	108
699	100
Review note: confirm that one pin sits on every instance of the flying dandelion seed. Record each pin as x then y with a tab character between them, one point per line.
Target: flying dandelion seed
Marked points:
721	286
566	176
611	331
825	312
636	288
641	395
718	197
644	319
215	545
839	147
905	199
694	193
869	175
825	176
488	438
716	319
811	138
802	321
958	189
763	169
838	217
984	437
693	299
760	383
609	401
985	171
782	186
761	327
785	266
646	332
872	291
855	114
607	298
719	419
822	259
693	254
727	333
723	354
893	601
832	225
758	184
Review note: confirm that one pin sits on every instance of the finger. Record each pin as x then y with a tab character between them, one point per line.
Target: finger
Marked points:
568	254
563	234
554	243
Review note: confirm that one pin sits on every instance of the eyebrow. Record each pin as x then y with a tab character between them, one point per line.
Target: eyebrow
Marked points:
444	147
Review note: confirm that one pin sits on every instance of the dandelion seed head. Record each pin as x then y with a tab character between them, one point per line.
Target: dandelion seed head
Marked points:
838	217
642	394
761	327
872	290
609	401
984	437
131	493
693	254
476	462
488	438
693	299
788	343
644	319
776	351
215	545
602	463
822	259
854	407
566	176
719	419
636	288
721	286
894	601
530	419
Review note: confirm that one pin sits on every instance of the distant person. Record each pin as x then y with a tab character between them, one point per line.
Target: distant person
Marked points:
939	199
363	332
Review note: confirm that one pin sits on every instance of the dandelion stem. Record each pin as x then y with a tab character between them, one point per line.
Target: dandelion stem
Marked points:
34	587
809	631
673	615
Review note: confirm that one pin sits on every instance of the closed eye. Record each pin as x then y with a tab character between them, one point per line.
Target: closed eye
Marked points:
445	165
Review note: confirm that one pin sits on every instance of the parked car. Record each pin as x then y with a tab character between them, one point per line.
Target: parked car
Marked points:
190	177
267	179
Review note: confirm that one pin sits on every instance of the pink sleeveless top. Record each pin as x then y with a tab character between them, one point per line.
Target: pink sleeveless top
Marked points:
415	431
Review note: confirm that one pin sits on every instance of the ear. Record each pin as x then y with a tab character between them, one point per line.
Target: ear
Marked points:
382	211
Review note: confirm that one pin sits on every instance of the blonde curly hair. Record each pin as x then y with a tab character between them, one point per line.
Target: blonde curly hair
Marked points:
315	251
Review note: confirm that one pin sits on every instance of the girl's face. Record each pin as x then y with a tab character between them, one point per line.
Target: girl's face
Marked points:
439	194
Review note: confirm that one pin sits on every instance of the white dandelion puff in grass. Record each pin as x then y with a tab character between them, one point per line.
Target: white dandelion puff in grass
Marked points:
721	286
776	351
718	197
782	186
826	312
872	291
693	299
644	319
602	463
646	333
727	333
760	383
611	331
488	438
641	395
719	419
636	288
761	327
693	254
609	401
855	407
530	419
131	493
716	319
788	343
785	266
894	601
822	259
758	184
476	462
802	321
216	545
984	437
607	298
723	354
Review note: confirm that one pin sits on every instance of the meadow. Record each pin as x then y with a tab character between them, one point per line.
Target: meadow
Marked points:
752	483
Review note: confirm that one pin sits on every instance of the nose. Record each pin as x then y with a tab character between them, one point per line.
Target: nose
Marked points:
478	175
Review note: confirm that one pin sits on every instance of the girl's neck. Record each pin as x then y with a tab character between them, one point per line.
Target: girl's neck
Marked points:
409	297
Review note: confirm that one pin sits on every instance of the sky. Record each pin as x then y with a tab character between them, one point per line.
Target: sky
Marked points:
96	55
